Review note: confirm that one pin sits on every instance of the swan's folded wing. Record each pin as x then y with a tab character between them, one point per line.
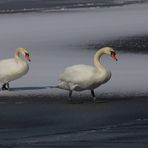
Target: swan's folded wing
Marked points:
7	65
79	74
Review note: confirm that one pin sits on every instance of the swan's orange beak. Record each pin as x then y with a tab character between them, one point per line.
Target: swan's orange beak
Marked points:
113	55
27	57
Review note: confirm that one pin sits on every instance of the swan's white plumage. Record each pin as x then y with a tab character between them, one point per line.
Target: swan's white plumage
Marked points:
77	73
12	69
80	76
84	77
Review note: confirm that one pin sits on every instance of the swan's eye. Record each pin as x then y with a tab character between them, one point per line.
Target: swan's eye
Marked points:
26	54
113	53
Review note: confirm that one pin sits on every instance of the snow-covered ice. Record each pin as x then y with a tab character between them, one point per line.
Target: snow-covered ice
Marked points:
57	40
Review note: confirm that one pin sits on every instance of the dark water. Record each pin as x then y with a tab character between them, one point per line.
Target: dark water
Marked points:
133	44
54	122
11	6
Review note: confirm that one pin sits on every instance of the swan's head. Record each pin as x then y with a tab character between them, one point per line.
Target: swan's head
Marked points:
25	53
111	52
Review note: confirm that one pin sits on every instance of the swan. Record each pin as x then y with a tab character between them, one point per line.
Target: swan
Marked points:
85	77
14	68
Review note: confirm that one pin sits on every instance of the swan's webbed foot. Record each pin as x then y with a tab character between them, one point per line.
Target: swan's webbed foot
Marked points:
93	95
70	96
5	86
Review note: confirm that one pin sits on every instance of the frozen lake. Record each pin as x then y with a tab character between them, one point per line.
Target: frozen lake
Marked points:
57	40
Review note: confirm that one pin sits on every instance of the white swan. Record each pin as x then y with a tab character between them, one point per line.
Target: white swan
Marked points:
12	69
85	77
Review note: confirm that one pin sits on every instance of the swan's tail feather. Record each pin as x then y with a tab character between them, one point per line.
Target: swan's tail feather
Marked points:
61	85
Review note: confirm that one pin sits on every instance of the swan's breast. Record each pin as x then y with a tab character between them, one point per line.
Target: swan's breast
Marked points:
104	76
22	67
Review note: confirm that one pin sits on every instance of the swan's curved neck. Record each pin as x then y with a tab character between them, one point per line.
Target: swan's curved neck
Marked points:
17	54
97	57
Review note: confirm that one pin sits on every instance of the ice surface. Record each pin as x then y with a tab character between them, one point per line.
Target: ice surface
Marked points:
57	40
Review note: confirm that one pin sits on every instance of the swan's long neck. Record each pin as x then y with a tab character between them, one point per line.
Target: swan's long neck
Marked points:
17	54
97	57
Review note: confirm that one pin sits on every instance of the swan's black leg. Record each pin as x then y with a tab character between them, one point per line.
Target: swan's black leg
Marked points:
70	95
93	95
4	87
